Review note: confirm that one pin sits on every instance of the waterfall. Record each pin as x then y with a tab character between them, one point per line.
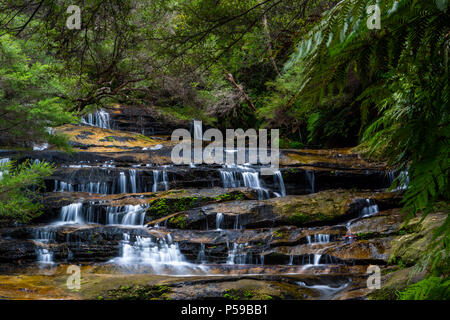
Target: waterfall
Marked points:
122	183
133	180
279	180
44	255
127	215
251	180
112	215
160	178
91	187
232	177
95	187
72	213
162	255
370	209
318	238
317	257
134	215
237	255
99	118
62	186
121	215
219	219
229	179
311	178
291	260
201	254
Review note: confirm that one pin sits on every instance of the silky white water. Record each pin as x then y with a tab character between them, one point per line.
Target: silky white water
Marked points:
100	119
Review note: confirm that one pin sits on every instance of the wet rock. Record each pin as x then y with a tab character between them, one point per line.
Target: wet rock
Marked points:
240	289
106	138
323	208
384	223
17	250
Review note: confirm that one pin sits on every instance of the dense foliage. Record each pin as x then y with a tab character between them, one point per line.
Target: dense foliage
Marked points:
19	189
30	95
312	68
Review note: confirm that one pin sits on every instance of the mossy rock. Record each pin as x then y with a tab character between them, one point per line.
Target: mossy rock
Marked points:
179	222
138	292
411	246
172	202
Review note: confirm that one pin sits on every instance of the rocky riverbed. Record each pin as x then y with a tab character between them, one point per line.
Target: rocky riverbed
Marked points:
140	227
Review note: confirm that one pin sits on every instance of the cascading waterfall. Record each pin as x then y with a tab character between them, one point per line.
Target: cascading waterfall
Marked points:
237	254
317	256
90	187
122	184
99	118
134	215
237	176
318	238
160	178
72	213
126	215
370	209
44	236
162	255
95	187
121	215
251	180
44	256
62	186
229	179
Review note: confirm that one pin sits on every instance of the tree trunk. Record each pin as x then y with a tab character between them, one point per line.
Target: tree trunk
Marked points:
269	43
230	78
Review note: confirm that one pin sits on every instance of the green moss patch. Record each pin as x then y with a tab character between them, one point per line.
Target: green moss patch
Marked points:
162	207
139	292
